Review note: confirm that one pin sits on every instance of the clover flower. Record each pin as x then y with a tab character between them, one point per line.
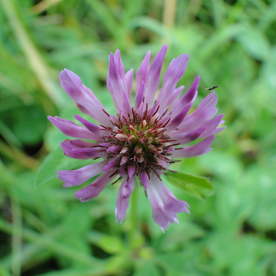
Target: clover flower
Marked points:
142	140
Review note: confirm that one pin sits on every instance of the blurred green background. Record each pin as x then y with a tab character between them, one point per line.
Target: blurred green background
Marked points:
44	230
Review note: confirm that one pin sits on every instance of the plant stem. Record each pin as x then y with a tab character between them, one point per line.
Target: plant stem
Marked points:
169	13
133	218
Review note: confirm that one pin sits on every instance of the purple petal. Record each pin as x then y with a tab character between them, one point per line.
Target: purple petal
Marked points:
173	74
129	82
207	109
95	129
142	72
144	179
162	217
83	96
114	148
202	147
119	63
81	150
139	96
77	177
177	120
153	76
211	125
175	95
154	108
126	103
94	189
131	170
122	200
218	130
114	162
171	203
188	137
188	97
116	82
72	129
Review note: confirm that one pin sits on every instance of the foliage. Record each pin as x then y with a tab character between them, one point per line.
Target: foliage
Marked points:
44	230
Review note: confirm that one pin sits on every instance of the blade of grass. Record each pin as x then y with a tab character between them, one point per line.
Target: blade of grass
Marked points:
18	156
32	54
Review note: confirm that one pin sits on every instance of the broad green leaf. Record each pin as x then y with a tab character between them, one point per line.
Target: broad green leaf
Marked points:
254	42
4	271
26	123
55	161
118	262
111	244
196	186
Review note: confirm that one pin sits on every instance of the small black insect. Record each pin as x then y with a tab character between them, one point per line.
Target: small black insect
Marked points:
213	87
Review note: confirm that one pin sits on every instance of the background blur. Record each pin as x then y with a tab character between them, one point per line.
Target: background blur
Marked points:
44	230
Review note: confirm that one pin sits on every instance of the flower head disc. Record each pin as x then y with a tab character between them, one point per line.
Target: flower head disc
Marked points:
141	141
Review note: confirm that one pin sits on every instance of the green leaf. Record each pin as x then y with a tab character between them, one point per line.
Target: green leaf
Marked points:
254	42
196	186
147	269
4	271
111	244
55	161
119	262
18	122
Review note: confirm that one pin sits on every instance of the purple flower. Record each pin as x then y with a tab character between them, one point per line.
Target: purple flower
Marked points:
141	141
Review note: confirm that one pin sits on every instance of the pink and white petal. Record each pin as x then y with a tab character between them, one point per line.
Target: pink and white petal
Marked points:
153	76
187	98
83	96
78	177
71	129
173	74
94	189
79	149
162	217
171	203
129	83
142	72
202	147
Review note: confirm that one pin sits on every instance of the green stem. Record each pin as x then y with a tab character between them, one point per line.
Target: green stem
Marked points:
133	218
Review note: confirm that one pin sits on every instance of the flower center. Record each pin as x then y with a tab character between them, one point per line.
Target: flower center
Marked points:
139	141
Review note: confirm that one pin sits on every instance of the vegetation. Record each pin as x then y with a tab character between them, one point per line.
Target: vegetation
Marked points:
45	231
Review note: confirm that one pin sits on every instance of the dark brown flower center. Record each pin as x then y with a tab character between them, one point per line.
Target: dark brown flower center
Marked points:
140	141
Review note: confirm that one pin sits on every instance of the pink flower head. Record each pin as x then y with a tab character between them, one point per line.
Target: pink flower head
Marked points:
142	140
